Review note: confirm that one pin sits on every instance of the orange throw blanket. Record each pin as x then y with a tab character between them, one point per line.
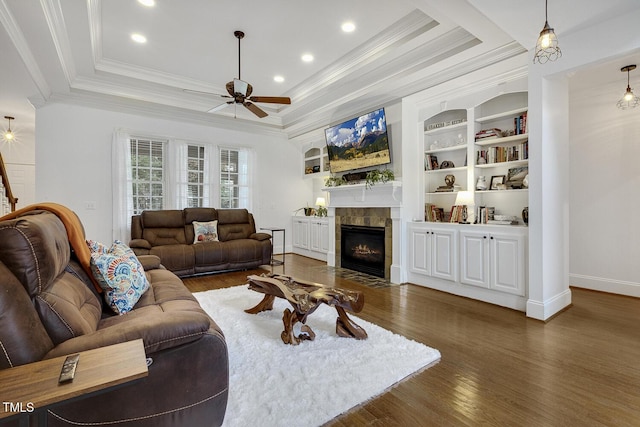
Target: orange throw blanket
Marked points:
75	232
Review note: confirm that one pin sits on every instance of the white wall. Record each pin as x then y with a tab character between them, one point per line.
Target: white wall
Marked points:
73	157
549	213
605	183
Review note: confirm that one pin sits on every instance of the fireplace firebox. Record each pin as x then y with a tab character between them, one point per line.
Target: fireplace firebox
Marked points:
362	249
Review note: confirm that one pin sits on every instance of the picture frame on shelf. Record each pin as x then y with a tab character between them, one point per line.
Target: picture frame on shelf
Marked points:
497	181
515	177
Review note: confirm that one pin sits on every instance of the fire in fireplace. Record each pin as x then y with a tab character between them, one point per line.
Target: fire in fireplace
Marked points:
362	249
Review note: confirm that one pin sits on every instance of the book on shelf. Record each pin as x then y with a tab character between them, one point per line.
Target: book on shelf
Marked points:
484	214
430	162
503	154
520	124
432	213
486	134
501	222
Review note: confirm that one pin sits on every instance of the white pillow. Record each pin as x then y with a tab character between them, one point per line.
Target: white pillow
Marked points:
205	231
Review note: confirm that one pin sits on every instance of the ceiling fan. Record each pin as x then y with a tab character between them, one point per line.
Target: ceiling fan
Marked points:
240	92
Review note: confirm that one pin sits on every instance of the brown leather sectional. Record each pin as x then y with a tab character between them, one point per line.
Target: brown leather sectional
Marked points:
49	307
169	235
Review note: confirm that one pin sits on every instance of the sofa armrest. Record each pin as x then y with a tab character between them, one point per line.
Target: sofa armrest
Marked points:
159	331
260	236
139	244
149	262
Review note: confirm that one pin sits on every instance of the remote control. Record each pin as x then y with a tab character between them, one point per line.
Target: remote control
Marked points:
69	368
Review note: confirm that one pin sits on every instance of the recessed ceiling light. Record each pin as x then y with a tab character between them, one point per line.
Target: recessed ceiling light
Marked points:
348	27
278	79
148	3
307	57
138	38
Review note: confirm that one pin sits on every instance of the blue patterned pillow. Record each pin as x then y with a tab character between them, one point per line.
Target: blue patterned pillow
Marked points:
119	273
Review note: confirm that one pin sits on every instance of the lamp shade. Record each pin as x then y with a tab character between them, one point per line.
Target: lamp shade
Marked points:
321	202
464	198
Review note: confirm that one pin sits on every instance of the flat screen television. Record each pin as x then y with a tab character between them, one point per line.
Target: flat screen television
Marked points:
358	143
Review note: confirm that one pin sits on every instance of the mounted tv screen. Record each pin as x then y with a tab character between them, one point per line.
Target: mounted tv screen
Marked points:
358	143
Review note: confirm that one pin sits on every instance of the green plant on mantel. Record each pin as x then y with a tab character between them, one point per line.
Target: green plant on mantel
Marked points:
335	181
374	176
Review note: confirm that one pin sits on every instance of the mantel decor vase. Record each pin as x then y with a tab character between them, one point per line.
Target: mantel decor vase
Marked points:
525	215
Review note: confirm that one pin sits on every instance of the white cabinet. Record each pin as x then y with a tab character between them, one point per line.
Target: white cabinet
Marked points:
300	233
434	252
311	236
483	262
319	235
493	260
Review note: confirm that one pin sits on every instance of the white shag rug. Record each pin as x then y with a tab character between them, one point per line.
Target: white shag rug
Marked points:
274	384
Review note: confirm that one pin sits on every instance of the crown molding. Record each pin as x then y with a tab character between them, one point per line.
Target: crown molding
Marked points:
58	29
408	27
17	38
176	114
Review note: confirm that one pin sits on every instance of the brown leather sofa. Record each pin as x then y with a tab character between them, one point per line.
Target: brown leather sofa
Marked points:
49	307
169	235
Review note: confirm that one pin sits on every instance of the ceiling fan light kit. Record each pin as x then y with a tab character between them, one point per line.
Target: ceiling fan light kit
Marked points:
240	91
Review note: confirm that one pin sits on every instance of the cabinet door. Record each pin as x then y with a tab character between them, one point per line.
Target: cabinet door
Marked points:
444	254
324	237
314	236
507	263
301	233
420	251
474	259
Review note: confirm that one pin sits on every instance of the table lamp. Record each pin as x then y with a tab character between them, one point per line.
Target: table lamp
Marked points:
464	199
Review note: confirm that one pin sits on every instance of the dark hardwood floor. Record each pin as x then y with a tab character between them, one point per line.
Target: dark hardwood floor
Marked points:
498	367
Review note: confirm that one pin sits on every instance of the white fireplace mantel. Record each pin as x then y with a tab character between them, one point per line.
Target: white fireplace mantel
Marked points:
379	195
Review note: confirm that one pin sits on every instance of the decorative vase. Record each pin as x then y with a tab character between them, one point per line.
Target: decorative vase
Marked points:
525	215
481	184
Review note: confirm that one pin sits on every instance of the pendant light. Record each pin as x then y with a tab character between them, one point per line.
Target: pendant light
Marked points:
9	135
547	48
628	100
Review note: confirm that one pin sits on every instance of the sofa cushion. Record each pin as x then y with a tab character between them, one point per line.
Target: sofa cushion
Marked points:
68	308
205	231
23	338
177	258
35	248
164	227
119	273
210	254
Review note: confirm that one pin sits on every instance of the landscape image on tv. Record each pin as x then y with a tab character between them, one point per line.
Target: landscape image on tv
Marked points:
358	143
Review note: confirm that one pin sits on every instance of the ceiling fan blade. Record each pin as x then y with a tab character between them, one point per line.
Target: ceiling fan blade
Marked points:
201	92
272	99
220	107
255	109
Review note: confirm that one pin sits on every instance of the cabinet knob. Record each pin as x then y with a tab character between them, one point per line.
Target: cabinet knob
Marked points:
484	237
491	237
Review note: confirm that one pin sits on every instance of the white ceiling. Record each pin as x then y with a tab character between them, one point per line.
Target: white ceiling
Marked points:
80	51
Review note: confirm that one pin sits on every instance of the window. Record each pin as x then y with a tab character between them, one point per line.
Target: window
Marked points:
234	178
195	176
147	173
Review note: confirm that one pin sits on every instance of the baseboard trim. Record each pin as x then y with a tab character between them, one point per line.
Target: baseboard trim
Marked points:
602	284
545	310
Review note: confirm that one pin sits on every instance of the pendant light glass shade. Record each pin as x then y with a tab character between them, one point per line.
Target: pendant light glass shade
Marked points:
628	100
8	135
547	48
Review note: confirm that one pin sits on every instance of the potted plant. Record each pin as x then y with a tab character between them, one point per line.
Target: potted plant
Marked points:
374	176
308	211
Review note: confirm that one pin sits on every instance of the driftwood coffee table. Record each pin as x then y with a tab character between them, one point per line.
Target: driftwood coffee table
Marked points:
305	298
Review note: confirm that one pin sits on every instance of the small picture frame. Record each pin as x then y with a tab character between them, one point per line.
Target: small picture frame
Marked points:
496	181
